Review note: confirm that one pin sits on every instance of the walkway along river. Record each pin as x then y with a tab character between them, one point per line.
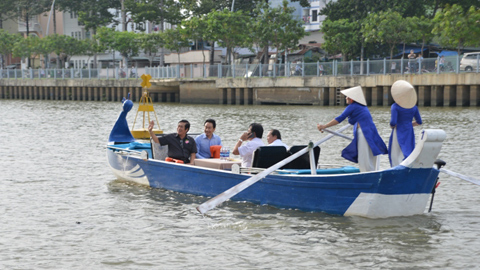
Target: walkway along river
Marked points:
435	90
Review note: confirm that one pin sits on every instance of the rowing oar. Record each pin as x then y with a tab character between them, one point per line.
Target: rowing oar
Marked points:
461	176
338	134
220	198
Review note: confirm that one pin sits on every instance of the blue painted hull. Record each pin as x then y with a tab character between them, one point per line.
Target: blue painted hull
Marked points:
400	191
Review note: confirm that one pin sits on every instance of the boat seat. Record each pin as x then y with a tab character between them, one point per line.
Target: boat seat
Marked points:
267	156
303	161
158	151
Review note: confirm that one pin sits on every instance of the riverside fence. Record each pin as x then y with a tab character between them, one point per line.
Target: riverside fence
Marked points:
289	69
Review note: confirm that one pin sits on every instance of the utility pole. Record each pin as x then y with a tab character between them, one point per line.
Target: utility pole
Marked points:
124	29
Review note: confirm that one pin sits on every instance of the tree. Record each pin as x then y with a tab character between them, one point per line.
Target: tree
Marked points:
419	28
356	10
29	47
90	47
228	28
151	44
196	29
341	37
456	28
442	4
277	27
199	9
6	8
106	40
385	27
7	42
156	11
175	41
25	10
127	43
64	47
93	14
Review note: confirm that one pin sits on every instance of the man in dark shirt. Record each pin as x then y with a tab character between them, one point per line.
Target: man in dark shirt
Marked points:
180	145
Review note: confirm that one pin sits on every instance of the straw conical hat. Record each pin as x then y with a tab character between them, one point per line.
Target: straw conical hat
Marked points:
356	94
404	94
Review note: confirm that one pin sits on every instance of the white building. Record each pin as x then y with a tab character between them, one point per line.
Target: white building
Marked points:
312	21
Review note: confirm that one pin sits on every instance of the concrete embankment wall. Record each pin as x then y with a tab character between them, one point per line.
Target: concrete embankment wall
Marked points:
432	89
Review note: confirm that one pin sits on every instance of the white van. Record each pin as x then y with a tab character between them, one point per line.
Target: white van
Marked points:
469	61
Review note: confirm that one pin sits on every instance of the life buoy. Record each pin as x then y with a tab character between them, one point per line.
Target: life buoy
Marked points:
169	159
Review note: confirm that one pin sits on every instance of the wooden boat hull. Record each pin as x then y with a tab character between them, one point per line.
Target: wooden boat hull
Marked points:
400	191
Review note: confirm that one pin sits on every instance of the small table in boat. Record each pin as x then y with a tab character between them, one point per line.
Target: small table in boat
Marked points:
216	163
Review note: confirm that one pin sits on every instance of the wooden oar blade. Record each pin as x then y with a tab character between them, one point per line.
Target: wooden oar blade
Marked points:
461	176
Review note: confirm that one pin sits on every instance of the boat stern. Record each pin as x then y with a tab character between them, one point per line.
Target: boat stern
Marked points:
426	150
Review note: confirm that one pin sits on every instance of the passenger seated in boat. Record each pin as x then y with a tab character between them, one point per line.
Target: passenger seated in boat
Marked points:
180	145
254	137
207	139
275	139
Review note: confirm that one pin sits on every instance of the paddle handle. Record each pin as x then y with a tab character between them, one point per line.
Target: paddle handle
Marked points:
229	193
338	134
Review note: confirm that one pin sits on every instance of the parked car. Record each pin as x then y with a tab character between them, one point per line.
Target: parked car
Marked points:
469	61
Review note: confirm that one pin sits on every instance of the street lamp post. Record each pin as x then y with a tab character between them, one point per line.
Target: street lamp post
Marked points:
47	60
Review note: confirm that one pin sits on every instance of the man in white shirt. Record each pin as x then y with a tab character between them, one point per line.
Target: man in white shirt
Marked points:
254	138
275	139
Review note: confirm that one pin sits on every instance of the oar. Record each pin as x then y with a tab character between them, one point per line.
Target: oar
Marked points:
338	134
461	176
220	198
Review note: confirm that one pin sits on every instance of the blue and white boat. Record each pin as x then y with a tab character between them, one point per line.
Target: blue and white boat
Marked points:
404	190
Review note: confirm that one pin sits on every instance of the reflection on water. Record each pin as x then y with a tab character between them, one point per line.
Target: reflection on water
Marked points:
61	205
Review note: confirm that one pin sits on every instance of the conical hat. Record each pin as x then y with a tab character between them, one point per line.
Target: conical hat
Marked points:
356	94
404	94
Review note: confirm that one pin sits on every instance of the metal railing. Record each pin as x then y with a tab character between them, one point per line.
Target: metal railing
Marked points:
289	69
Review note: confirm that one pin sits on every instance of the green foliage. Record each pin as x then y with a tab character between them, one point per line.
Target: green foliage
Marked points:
94	14
341	36
151	44
228	28
7	42
385	27
90	47
157	11
456	28
20	8
106	38
276	26
7	8
127	43
355	10
24	47
196	28
174	40
419	29
63	46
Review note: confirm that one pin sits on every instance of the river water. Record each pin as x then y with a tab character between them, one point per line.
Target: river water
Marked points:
62	208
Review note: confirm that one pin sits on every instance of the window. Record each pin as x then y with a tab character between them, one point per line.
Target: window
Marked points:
314	15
